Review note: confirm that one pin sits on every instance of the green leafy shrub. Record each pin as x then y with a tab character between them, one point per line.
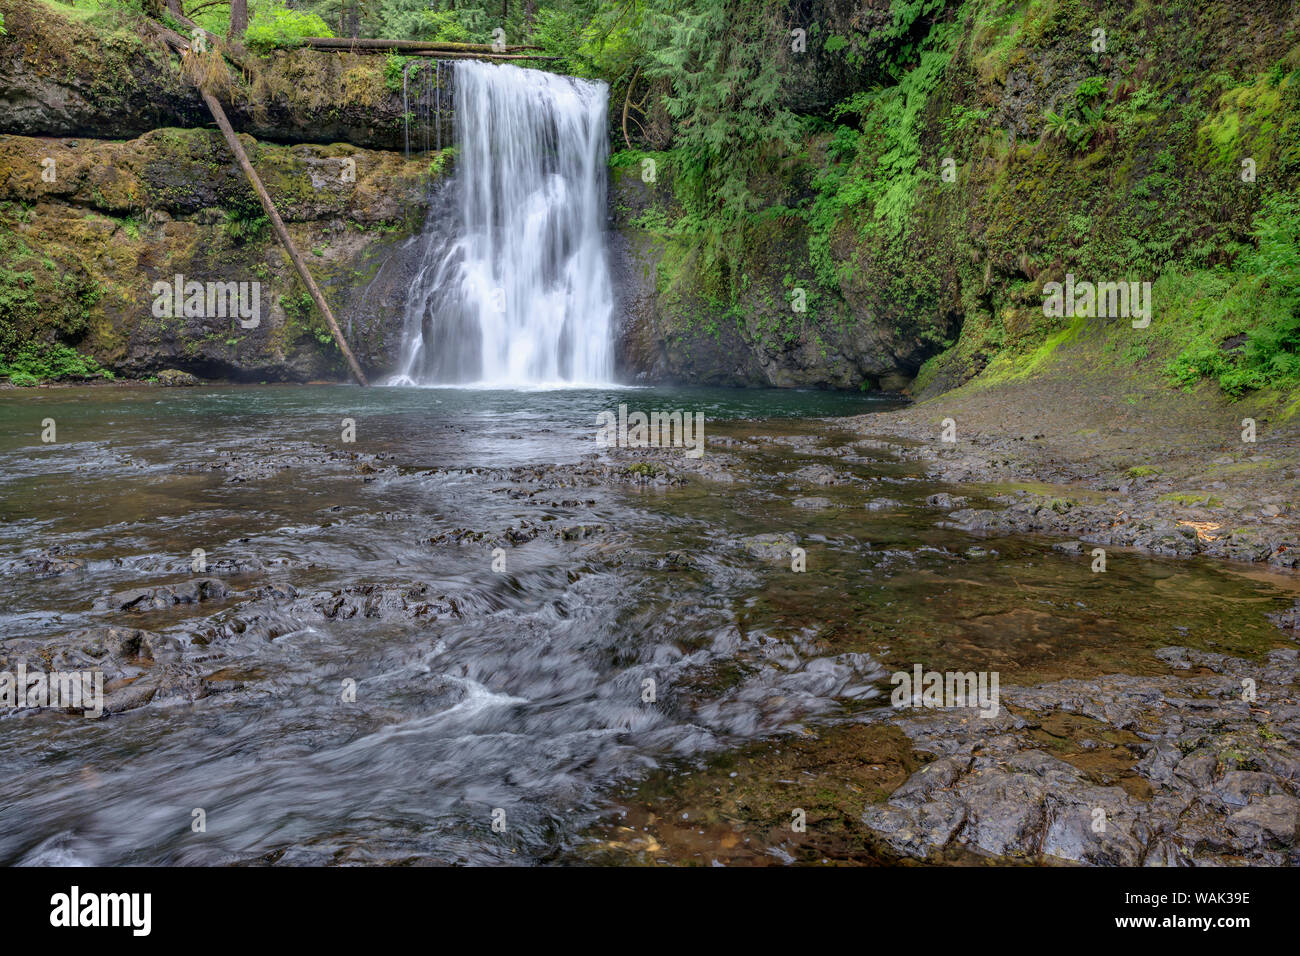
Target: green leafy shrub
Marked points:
281	27
36	363
1247	320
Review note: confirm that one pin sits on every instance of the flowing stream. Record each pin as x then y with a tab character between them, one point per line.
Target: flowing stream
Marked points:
478	686
515	290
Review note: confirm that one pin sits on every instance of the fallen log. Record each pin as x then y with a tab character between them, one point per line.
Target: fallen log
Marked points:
446	55
362	43
283	234
277	224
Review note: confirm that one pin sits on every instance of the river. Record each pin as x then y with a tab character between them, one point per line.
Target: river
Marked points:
366	686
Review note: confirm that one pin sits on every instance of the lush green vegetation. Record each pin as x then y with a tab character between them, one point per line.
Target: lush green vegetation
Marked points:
1241	324
275	27
925	169
34	364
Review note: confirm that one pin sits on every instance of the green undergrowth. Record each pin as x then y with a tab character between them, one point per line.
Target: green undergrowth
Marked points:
37	363
1237	325
279	28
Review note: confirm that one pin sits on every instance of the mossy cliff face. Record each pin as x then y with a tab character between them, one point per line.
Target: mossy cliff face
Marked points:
1016	142
82	252
60	77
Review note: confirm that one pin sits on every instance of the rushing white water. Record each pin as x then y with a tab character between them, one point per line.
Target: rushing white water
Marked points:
516	291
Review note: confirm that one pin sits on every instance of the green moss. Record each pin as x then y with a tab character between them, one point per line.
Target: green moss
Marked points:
1190	500
1013	366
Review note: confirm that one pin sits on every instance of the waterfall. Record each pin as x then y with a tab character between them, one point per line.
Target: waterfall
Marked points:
515	288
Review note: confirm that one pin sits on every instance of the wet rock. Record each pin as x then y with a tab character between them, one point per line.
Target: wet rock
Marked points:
919	831
52	562
135	667
946	501
813	504
939	775
236	565
820	475
1096	825
465	536
1070	547
520	534
1213	778
775	546
163	596
678	560
174	378
884	504
580	531
1172	541
1271	821
1288	620
1198	769
166	683
415	602
1237	787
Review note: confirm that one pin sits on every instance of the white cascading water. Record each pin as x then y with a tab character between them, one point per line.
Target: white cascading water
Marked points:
518	292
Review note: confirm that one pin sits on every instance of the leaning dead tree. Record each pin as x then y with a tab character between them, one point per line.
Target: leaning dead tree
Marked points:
282	234
182	46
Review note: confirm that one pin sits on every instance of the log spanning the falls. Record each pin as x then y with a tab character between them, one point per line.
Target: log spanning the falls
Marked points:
178	43
427	48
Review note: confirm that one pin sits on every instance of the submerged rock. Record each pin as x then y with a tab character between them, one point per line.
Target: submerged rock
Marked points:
775	546
48	563
812	504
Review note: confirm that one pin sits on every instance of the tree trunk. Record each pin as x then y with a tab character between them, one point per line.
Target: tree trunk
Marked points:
281	233
238	18
411	47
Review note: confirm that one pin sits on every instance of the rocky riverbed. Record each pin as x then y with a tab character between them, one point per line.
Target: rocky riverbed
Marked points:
499	591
